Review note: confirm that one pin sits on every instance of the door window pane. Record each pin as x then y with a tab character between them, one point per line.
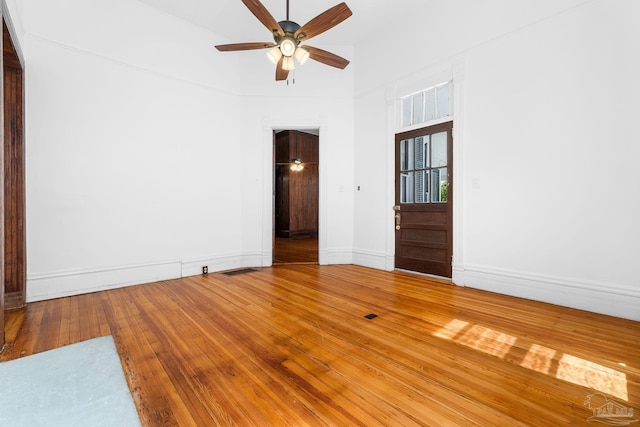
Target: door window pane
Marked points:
439	185
406	154
422	186
438	149
406	187
423	168
422	152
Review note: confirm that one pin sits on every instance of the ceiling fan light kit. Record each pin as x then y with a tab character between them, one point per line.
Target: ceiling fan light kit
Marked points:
302	55
288	64
296	165
274	55
288	35
288	46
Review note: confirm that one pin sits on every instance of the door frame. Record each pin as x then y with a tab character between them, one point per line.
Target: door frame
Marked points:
18	298
14	145
274	183
430	129
270	125
455	72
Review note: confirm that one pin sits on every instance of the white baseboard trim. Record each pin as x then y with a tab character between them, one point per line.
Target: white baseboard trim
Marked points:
66	283
61	284
605	298
371	259
193	266
335	256
255	259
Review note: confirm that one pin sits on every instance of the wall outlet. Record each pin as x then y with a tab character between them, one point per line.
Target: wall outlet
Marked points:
205	270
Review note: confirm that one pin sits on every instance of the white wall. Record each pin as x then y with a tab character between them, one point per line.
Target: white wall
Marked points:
134	123
134	128
545	127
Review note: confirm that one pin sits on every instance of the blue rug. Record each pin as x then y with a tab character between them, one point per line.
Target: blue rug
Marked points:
78	385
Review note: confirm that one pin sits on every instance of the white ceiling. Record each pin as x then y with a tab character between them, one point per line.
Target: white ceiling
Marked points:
234	23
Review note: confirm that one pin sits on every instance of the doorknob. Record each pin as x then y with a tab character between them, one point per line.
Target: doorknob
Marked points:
396	208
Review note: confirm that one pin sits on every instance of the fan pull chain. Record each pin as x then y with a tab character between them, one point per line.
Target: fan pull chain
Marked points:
293	78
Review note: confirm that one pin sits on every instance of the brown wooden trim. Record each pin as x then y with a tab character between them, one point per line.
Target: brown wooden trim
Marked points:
14	300
9	52
2	264
14	175
12	172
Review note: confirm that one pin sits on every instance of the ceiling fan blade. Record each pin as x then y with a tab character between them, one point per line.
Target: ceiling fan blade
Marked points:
263	16
281	73
323	22
244	46
325	57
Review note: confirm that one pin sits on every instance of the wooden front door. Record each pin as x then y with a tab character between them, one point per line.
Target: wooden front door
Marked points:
423	200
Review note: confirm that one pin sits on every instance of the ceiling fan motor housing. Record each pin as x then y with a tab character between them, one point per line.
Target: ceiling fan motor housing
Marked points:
289	42
289	26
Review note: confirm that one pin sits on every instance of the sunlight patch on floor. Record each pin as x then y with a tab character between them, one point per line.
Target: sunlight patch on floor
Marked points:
539	358
592	375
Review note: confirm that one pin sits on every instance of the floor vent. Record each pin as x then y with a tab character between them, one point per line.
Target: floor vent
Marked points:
370	316
238	272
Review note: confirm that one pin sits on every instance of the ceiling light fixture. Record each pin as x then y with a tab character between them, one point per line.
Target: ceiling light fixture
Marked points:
296	165
302	55
288	46
287	63
274	55
287	36
296	162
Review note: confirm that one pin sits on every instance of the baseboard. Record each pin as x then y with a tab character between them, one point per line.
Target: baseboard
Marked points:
335	256
193	266
61	284
604	298
13	300
371	259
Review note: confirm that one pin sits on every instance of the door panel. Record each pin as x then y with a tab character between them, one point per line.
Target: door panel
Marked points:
424	226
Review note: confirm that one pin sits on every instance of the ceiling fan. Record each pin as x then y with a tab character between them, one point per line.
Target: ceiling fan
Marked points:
288	35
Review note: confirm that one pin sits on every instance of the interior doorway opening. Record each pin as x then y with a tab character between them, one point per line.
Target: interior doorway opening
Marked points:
296	196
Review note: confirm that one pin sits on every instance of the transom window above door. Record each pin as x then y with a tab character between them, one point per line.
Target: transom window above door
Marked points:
427	105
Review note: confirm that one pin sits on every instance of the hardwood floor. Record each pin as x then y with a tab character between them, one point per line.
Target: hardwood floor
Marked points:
290	345
295	251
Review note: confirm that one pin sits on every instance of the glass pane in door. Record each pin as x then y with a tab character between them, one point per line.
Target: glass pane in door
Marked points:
439	185
439	150
422	186
422	152
406	154
406	187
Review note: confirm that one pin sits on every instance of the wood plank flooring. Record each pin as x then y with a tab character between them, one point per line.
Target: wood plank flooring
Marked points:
295	251
290	346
